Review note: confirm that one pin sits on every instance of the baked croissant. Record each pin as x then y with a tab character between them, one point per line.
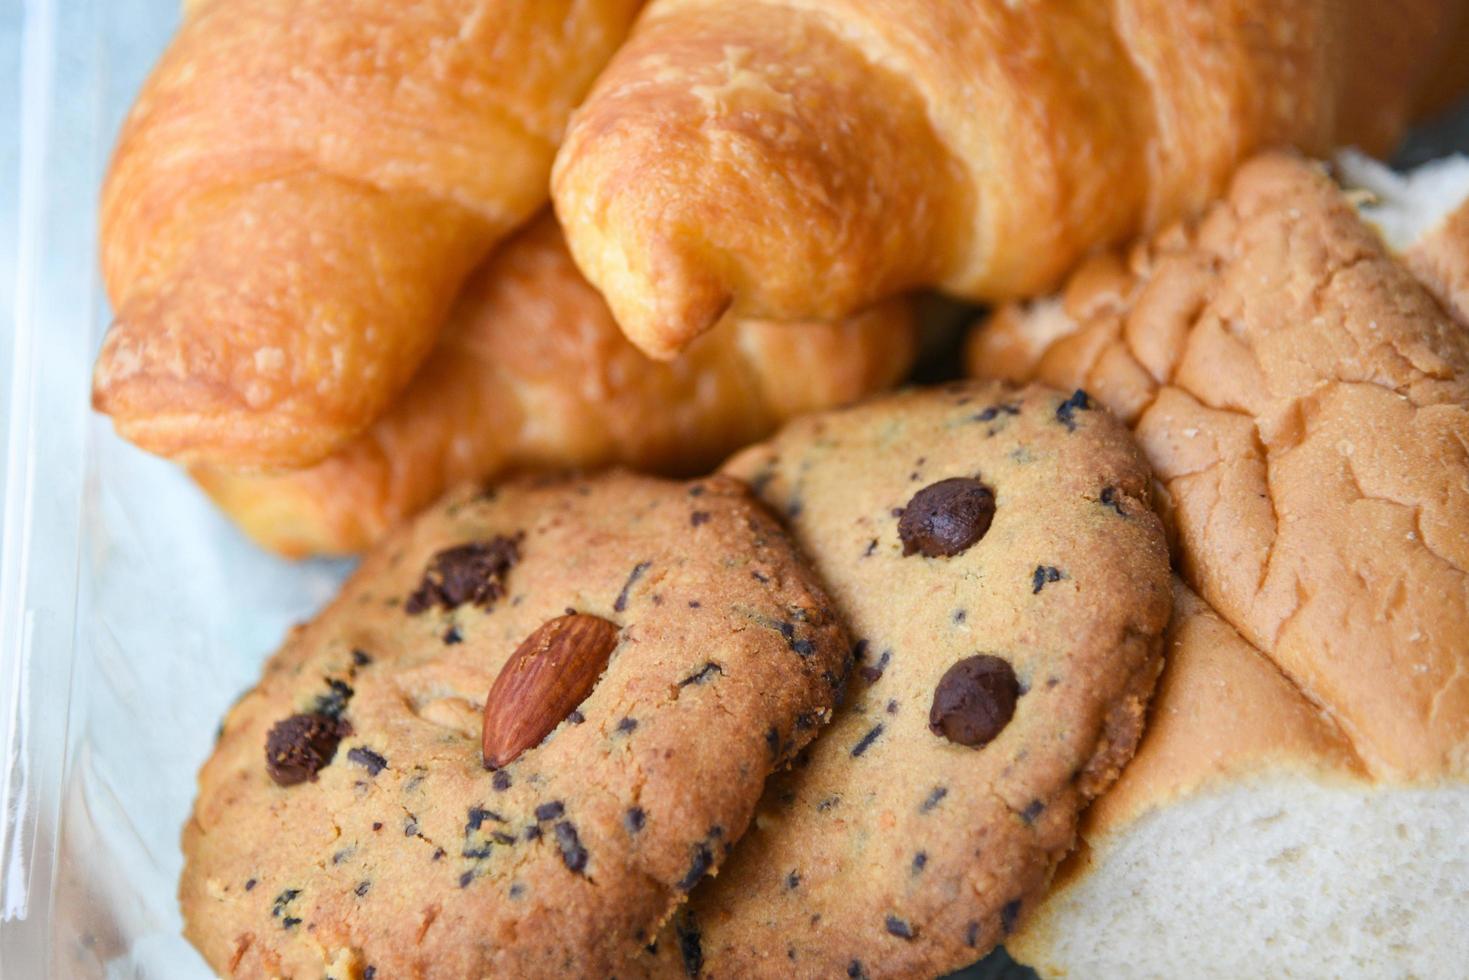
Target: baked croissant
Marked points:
1304	402
531	371
298	195
797	159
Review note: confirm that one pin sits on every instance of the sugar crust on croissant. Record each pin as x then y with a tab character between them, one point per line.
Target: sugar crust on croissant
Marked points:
531	371
297	196
799	158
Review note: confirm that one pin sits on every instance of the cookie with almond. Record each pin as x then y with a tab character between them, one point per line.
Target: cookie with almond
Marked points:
995	554
530	724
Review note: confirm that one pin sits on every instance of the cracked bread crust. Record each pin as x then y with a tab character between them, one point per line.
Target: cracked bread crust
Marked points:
401	855
1304	402
888	850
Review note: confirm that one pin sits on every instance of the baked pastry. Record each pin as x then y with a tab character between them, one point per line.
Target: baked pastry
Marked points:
297	196
531	371
809	159
994	554
649	652
1304	779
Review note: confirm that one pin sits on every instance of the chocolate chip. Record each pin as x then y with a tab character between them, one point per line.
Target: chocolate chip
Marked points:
856	971
793	881
250	885
634	819
576	717
477	817
699	865
1066	411
299	747
1109	498
867	740
466	878
360	658
550	811
290	922
533	832
971	935
573	855
994	411
920	861
1009	915
1032	810
283	901
369	973
873	674
453	636
627	725
517	890
701	675
974	700
1042	575
368	759
362	887
759	576
500	781
892	707
473	573
637	572
899	928
871	547
410	826
827	803
699	517
933	798
772	740
500	837
689	947
377	825
334	702
946	518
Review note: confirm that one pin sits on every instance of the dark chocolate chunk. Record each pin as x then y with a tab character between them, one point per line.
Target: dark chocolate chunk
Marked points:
517	889
873	674
368	759
1032	810
634	819
1009	915
500	781
473	573
342	855
1042	575
576	717
867	740
971	935
362	887
1066	411
410	826
627	724
360	658
892	707
1109	498
697	490
466	878
299	747
946	518
933	798
369	973
899	927
974	700
533	832
453	636
282	901
377	824
477	817
637	572
500	837
793	881
920	861
250	885
699	517
573	855
550	811
290	922
689	947
699	865
856	971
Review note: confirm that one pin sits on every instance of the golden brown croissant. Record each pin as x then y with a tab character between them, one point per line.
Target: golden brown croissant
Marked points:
532	371
297	196
800	159
1304	402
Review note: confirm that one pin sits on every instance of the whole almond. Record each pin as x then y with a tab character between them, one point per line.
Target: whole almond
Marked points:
551	672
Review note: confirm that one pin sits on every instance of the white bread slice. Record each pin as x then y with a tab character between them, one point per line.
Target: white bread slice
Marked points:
1245	839
1265	828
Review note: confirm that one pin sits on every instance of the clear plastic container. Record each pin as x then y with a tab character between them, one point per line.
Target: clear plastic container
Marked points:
131	613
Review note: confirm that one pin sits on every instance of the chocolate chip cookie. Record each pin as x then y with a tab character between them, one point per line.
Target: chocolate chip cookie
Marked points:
530	724
1006	582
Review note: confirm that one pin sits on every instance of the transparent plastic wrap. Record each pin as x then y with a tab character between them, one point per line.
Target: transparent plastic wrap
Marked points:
131	613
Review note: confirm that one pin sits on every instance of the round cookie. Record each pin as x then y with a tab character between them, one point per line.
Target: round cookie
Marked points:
1007	584
346	825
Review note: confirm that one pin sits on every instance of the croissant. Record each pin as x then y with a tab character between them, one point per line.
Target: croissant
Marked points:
797	159
531	371
1304	402
299	193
